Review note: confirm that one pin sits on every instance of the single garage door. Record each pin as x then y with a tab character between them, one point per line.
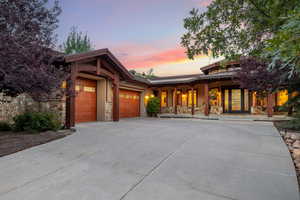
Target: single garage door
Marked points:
129	104
86	100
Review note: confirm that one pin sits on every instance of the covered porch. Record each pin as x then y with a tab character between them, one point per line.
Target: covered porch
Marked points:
218	97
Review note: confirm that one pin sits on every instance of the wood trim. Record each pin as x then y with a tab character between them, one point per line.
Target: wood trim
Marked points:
206	99
193	102
70	100
270	104
116	99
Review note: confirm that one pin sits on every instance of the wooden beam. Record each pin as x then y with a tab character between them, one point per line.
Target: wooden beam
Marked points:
270	104
98	71
175	100
193	102
86	68
116	99
70	100
206	99
159	96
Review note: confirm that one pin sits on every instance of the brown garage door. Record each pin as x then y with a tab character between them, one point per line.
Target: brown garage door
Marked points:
129	104
86	100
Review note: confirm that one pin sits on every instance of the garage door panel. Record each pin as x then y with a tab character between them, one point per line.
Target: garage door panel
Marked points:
86	100
129	104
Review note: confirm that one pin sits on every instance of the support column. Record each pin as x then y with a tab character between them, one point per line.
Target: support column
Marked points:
193	102
206	100
70	99
159	96
270	104
175	101
116	100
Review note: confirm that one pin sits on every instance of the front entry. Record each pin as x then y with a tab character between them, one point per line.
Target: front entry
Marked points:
235	100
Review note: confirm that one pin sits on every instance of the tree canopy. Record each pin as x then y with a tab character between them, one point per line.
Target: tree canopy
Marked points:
237	28
27	39
77	42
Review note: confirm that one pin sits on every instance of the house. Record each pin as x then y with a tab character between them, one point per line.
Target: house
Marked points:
104	90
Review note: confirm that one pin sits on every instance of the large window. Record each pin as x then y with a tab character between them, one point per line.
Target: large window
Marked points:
282	97
164	99
184	99
190	100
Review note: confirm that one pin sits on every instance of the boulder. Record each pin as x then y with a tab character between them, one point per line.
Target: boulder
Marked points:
296	144
295	136
296	154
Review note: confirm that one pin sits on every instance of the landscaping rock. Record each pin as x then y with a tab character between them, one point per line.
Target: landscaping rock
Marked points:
295	136
296	154
296	144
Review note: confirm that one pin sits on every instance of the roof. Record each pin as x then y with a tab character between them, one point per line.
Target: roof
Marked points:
97	53
180	79
185	79
217	64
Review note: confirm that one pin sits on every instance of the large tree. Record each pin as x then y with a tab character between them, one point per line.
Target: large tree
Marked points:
27	39
235	28
77	42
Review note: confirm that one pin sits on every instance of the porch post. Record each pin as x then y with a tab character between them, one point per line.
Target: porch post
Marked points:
159	96
116	99
193	102
206	100
70	99
175	100
270	104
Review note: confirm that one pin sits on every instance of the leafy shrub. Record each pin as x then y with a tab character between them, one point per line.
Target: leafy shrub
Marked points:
291	125
36	122
153	106
5	126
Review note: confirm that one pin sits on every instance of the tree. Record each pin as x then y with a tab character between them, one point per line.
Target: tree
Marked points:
149	74
235	28
266	30
77	42
27	38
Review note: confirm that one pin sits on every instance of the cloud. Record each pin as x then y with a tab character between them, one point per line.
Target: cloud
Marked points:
205	3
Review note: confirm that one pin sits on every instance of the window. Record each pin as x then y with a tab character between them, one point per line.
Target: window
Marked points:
184	99
190	100
282	97
164	99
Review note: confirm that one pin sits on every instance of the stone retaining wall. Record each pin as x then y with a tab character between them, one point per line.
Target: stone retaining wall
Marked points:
10	107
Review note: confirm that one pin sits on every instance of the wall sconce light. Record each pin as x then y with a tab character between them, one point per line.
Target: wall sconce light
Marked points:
151	95
147	97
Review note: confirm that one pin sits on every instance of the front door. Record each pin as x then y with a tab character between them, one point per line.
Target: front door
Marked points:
235	100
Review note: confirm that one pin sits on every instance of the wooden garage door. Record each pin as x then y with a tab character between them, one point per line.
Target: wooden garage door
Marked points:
129	104
86	100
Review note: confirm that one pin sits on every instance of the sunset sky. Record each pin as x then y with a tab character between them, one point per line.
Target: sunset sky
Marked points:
142	34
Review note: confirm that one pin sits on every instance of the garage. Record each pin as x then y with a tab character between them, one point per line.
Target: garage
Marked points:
86	100
129	103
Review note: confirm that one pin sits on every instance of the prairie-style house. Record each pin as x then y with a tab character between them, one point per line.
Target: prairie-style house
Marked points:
105	91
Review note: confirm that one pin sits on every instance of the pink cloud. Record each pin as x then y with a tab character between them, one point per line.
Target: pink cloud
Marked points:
154	59
205	3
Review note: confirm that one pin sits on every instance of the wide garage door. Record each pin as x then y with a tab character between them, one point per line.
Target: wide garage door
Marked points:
129	103
86	100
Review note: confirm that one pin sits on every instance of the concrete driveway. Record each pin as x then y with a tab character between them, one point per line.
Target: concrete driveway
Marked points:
155	159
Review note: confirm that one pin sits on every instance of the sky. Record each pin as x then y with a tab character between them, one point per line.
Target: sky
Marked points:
142	34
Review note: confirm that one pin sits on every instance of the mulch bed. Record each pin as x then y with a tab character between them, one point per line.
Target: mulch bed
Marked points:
11	142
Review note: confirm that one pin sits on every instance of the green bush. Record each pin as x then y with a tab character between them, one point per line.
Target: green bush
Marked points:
291	125
153	106
5	126
36	122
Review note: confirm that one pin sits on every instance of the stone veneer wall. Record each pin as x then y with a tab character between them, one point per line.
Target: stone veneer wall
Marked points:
10	107
109	102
